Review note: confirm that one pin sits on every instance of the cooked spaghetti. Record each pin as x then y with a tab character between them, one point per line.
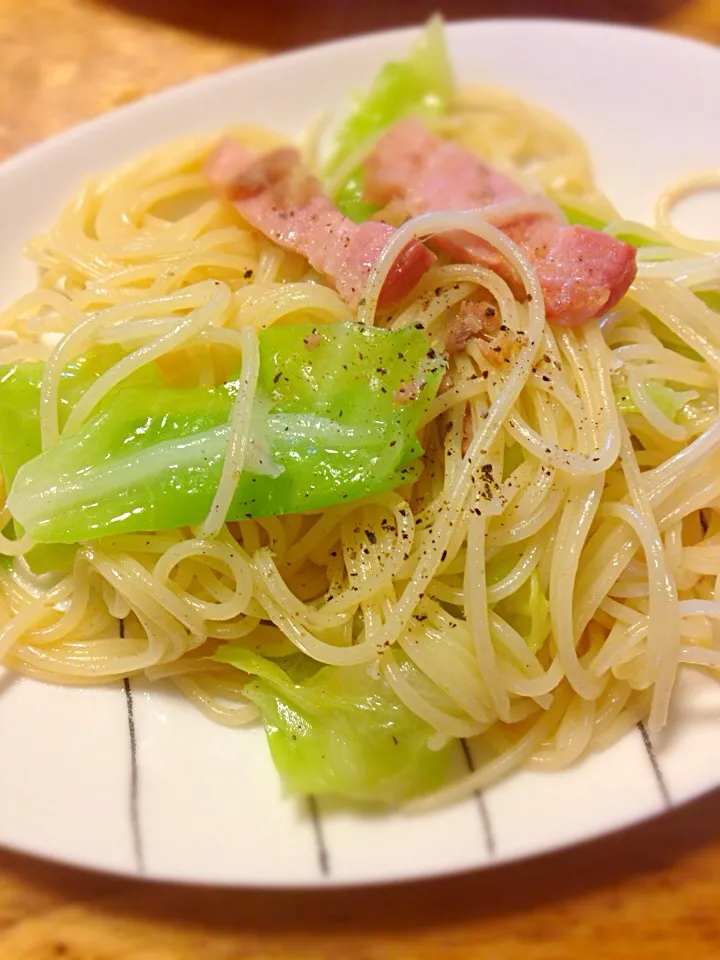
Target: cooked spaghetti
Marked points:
531	583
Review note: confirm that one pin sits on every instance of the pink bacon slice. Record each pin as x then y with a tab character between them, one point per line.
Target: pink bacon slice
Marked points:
278	197
583	272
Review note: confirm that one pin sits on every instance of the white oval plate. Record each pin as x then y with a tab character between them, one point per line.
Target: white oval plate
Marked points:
137	782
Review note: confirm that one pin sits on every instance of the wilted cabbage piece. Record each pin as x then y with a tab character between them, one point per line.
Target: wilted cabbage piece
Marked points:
327	427
340	731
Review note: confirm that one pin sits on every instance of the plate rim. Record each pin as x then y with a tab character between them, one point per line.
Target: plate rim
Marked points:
35	153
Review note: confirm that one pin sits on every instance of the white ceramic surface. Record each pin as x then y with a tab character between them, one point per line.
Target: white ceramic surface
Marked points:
128	780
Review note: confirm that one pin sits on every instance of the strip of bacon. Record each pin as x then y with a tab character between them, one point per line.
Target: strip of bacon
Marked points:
278	197
583	272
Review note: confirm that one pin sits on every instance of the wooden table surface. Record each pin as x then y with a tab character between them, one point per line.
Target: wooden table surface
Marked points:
652	892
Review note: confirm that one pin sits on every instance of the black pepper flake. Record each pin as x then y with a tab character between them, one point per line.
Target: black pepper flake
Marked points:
443	556
248	275
277	376
371	536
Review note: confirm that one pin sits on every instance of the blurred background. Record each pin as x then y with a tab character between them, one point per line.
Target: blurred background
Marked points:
289	23
74	59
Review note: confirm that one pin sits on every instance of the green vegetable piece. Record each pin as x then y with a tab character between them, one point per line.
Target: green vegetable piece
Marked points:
51	557
422	84
580	217
577	215
20	385
711	298
670	402
536	611
349	199
637	235
527	610
19	416
20	401
341	732
327	427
